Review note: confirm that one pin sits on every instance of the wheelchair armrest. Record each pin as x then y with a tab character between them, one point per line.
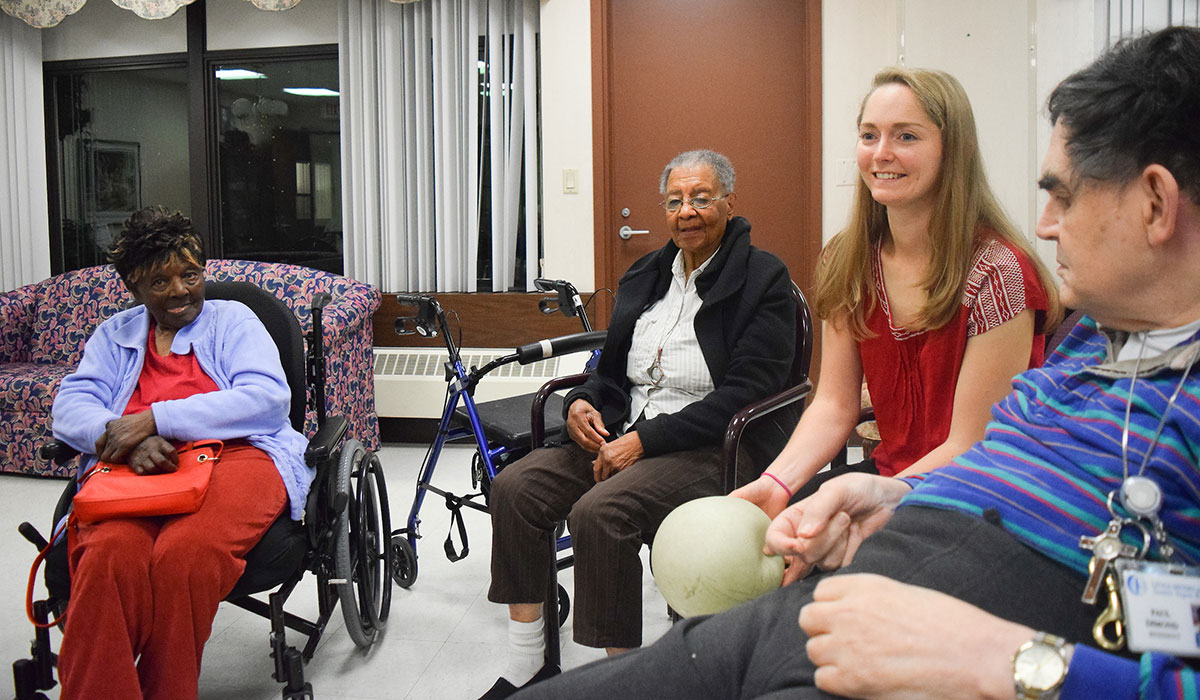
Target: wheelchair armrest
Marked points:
537	410
743	418
57	451
328	437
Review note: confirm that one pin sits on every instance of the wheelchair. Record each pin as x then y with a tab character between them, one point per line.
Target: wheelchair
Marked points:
501	429
343	538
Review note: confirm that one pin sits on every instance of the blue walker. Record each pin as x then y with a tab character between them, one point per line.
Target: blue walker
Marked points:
501	429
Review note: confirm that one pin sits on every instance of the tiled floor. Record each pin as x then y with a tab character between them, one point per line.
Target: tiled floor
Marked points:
443	641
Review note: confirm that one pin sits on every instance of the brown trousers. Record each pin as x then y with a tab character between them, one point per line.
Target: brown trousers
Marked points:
608	522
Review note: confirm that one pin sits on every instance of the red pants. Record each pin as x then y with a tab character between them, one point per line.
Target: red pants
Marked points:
144	591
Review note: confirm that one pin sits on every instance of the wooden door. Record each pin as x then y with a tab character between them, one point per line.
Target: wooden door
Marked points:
742	78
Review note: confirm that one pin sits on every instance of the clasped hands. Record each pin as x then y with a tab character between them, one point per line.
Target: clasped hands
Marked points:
134	439
869	636
825	529
586	427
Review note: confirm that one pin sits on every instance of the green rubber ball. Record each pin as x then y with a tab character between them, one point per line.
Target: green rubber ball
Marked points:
708	556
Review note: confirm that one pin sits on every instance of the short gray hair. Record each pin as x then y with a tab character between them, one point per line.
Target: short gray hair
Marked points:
718	162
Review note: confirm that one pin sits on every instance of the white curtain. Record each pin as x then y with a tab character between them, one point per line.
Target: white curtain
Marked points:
411	153
512	125
24	213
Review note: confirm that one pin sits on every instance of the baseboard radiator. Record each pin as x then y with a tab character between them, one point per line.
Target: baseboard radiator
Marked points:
411	382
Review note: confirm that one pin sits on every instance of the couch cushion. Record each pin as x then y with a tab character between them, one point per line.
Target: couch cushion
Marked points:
69	310
30	387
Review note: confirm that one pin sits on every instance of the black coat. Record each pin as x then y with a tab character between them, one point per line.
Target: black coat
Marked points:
746	327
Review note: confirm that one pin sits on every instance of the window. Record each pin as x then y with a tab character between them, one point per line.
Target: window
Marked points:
279	157
118	135
120	141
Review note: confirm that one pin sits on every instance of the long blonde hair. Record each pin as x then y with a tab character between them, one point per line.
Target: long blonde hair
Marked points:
963	206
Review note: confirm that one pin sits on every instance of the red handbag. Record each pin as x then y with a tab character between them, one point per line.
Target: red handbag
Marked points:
116	491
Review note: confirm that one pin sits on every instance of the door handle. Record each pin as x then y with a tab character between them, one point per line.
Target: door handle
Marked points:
627	232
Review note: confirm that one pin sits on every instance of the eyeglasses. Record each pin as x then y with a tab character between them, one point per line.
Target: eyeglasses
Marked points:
674	204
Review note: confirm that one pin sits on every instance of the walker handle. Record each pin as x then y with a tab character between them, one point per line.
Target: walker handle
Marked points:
562	345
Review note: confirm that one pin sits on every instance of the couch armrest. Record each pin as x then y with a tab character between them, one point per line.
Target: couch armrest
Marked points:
349	312
17	313
350	389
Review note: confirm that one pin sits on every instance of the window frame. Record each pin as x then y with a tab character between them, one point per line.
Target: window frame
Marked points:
202	127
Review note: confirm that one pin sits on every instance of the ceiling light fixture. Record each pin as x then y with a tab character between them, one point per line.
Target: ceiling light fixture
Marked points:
312	92
238	74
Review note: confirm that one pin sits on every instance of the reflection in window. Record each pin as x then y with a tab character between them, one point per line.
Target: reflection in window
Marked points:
119	138
280	162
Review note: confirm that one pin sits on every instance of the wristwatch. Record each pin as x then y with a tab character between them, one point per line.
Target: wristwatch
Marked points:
1040	666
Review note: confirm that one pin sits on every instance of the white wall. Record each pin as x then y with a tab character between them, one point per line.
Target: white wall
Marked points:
236	24
566	65
858	37
102	30
1008	56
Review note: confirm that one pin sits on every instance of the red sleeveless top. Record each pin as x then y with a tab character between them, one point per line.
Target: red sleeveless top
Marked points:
912	375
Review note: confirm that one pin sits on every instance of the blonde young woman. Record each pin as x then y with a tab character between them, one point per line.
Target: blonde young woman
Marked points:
930	293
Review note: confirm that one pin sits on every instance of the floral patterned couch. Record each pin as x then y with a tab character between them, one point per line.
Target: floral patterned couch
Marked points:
44	326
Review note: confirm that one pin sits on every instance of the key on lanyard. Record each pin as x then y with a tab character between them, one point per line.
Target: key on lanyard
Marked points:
1105	549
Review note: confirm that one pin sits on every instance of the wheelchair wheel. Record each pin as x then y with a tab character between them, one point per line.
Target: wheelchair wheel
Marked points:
362	559
375	552
404	561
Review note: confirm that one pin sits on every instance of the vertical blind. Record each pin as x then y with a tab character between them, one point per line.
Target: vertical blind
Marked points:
24	217
413	163
1125	18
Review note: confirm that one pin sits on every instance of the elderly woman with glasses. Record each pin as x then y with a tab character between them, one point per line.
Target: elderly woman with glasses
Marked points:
702	327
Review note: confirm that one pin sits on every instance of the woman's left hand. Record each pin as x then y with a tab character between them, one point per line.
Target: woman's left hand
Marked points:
154	455
122	435
617	455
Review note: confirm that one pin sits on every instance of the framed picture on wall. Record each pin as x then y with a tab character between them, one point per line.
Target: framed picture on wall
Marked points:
114	179
112	187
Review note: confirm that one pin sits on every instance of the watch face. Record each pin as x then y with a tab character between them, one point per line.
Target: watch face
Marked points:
1039	666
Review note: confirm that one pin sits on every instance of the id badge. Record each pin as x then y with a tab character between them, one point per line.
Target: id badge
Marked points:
1162	606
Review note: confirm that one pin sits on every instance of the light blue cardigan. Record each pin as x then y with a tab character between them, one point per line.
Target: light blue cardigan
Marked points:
234	349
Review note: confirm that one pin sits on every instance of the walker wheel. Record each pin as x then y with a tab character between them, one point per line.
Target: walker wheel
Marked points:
564	605
404	561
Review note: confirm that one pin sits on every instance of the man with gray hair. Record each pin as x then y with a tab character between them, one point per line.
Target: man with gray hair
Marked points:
702	327
1073	527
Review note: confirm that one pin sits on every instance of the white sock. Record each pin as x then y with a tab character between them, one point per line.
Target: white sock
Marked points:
526	651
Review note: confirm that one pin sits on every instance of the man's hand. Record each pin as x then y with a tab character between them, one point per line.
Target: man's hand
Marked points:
154	455
872	637
765	493
123	434
586	426
617	455
826	529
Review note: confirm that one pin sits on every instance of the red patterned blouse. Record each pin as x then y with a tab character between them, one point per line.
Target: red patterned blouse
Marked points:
912	375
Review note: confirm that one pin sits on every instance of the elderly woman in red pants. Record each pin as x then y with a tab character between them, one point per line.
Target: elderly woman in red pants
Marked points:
174	369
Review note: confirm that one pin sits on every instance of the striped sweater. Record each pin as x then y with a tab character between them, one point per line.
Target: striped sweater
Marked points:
1052	454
